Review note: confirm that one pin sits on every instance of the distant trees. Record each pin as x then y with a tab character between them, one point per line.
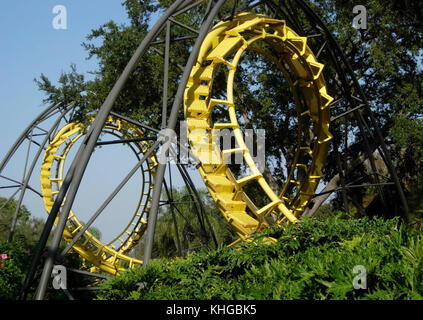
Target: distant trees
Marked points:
188	233
28	228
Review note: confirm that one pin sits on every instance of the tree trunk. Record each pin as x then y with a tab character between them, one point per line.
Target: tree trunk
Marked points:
332	185
271	180
318	201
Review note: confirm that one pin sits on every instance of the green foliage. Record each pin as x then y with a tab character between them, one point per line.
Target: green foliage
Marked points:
16	256
13	269
15	260
192	235
27	228
311	260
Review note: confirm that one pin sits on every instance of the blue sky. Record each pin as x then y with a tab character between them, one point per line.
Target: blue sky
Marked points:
30	46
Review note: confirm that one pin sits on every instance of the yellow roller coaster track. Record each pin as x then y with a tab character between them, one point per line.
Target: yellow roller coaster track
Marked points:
106	257
224	47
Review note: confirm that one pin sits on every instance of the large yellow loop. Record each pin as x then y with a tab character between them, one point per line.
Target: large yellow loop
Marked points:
223	47
106	257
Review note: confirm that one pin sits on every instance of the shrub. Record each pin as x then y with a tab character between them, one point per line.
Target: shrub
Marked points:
15	260
313	259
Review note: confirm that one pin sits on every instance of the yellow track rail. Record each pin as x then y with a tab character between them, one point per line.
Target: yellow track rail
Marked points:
224	47
107	257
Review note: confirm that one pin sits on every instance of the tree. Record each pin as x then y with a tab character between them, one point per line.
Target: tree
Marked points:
385	58
16	256
27	228
191	234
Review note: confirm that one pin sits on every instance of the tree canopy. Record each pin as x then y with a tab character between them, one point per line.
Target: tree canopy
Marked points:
28	228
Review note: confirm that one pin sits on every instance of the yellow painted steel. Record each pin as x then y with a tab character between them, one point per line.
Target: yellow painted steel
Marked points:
106	257
224	47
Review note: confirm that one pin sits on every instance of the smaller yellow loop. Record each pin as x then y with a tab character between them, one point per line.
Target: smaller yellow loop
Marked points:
102	256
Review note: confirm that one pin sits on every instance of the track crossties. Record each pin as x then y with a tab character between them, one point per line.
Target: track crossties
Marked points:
111	257
223	48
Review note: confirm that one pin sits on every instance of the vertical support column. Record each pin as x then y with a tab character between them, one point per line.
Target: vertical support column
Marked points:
173	118
152	218
166	75
161	169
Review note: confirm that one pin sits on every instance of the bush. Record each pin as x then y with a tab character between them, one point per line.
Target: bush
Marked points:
311	260
15	260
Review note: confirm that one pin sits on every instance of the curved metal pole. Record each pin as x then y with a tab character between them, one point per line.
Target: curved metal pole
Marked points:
31	169
173	118
20	185
108	200
22	137
47	230
87	148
